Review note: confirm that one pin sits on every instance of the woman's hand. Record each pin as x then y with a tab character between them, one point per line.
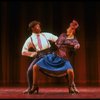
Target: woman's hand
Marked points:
77	46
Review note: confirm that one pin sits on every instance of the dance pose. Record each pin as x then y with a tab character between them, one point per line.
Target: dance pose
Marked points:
58	61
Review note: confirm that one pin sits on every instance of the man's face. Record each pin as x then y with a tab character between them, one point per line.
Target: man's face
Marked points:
36	28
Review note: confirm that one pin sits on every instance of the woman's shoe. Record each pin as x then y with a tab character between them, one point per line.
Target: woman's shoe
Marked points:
71	90
75	89
34	88
26	91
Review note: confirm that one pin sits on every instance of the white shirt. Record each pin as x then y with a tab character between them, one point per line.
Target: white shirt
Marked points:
44	37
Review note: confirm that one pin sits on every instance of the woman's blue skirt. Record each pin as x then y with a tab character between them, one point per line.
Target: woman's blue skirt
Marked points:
52	62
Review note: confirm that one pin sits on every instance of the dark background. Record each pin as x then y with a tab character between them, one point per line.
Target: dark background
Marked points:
55	17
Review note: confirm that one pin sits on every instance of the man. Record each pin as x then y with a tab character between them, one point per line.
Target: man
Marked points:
40	42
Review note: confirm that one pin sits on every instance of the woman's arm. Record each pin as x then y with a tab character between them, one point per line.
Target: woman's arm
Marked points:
76	44
60	41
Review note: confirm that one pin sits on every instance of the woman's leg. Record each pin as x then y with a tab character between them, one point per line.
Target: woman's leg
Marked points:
72	87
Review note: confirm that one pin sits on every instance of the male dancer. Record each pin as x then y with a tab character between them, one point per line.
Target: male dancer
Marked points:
40	41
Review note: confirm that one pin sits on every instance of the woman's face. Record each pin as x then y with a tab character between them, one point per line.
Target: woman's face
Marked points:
72	27
74	24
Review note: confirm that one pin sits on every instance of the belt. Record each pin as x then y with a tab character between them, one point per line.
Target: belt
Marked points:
44	51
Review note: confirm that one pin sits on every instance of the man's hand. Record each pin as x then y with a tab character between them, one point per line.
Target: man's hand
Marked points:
33	54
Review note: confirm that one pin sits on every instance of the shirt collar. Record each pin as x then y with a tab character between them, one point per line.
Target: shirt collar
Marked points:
35	33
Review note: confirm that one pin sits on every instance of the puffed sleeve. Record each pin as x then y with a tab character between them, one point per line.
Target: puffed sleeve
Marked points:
76	44
60	40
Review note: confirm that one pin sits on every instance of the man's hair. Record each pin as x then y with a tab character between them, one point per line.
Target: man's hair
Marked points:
33	23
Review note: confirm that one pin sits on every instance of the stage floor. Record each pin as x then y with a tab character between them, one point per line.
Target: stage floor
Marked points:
50	93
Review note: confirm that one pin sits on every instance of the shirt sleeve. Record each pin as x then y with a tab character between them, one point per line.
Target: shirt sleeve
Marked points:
51	37
25	48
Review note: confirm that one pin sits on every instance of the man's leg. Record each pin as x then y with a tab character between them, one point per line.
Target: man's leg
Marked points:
30	75
35	79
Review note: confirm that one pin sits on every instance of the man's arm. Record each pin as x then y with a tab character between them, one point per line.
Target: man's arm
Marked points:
51	36
25	49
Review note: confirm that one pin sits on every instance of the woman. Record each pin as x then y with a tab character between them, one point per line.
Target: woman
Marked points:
59	60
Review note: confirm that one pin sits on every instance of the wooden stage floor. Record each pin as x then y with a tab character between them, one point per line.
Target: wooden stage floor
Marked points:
50	93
